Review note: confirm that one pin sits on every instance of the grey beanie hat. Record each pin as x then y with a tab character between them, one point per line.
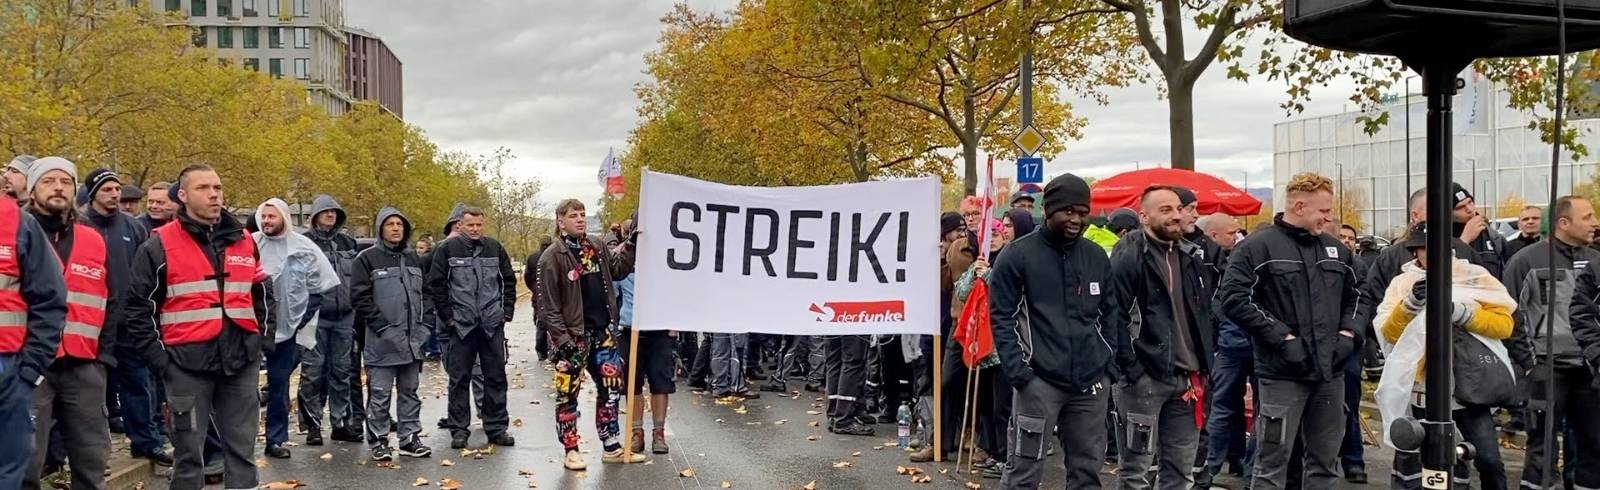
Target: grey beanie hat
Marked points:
21	163
46	164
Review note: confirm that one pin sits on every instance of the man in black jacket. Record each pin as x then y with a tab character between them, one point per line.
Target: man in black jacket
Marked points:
130	376
330	373
1528	226
1049	293
1293	288
1159	274
32	316
1473	229
530	278
158	206
209	356
474	293
388	296
1527	278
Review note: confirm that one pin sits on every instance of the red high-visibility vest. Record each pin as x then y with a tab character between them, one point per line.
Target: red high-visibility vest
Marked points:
85	272
199	297
13	310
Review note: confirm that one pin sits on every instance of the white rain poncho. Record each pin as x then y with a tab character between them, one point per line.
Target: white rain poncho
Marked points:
1468	283
298	268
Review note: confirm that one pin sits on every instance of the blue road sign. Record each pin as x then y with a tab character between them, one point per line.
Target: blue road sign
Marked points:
1030	170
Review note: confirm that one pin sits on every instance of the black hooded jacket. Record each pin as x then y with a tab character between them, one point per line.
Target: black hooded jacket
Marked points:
1140	274
1054	314
1286	280
123	235
389	298
45	291
230	352
341	250
1490	249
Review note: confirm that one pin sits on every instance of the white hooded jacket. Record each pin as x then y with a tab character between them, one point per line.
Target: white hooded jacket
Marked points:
298	269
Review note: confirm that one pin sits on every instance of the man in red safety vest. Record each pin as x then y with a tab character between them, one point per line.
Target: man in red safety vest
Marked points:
74	390
33	307
198	298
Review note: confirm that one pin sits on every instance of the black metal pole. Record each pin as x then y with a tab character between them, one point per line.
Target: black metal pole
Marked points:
1439	444
1408	138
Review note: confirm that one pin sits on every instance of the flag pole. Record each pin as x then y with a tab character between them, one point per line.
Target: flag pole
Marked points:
938	398
632	396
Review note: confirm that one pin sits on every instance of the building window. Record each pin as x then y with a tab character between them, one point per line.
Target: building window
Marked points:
252	64
300	9
199	37
197	8
224	37
224	8
272	8
252	37
302	68
249	7
275	37
302	37
174	5
275	67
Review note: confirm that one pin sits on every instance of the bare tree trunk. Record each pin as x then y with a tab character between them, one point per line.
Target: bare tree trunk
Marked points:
969	141
1180	121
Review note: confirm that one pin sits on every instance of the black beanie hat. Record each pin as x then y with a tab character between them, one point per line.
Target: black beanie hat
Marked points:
1064	191
1122	219
1459	194
949	222
97	178
1185	196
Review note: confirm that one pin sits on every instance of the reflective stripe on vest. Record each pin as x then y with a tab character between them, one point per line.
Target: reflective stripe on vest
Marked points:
85	272
199	301
13	311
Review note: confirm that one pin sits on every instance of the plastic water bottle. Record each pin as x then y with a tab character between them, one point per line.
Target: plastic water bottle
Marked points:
904	420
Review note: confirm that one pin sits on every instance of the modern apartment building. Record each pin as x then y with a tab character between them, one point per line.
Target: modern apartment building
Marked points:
373	72
299	39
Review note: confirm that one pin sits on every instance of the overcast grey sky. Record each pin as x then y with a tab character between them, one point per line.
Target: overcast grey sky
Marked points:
553	81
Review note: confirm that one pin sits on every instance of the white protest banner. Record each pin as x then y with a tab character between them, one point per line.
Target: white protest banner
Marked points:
840	259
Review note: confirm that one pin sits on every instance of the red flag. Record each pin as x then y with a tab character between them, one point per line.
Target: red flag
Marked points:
972	330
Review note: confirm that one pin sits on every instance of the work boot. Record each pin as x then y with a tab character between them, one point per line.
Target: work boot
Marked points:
276	452
814	387
658	441
502	439
314	438
619	457
923	456
160	457
1355	474
637	441
749	395
851	428
459	440
1203	479
774	386
574	462
346	434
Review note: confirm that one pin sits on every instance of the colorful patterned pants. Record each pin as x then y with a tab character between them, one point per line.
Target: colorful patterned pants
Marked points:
602	361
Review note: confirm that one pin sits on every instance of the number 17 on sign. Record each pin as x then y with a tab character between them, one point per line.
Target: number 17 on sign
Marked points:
1030	170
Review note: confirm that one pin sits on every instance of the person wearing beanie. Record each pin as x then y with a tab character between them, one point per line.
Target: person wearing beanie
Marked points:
132	402
1059	361
1295	272
72	397
1473	228
16	177
1161	275
29	347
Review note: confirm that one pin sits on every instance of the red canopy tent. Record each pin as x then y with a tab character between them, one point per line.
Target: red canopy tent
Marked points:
1123	191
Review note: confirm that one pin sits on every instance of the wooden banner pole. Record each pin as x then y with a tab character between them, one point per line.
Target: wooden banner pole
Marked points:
630	396
938	397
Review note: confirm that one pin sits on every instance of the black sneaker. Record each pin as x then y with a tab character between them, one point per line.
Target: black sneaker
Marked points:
313	438
277	452
382	452
459	441
346	434
160	457
415	449
503	439
851	428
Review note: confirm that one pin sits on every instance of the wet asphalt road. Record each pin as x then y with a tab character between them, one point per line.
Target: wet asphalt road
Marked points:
772	445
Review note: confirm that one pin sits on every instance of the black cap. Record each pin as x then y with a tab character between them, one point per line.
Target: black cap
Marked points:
1021	196
949	222
1066	190
132	193
1122	219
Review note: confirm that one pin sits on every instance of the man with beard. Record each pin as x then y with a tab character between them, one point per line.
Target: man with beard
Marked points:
300	276
1293	288
1160	274
1049	292
474	293
388	296
129	376
202	300
16	178
33	310
331	373
74	388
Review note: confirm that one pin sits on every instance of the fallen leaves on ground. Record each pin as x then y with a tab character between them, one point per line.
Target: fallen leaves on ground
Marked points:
516	422
388	465
813	412
907	470
261	462
945	471
842	464
816	424
719	421
421	482
283	485
810	486
781	422
891	444
921	479
327	456
856	454
449	484
524	472
974	485
741	410
812	437
686	473
727	484
447	463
